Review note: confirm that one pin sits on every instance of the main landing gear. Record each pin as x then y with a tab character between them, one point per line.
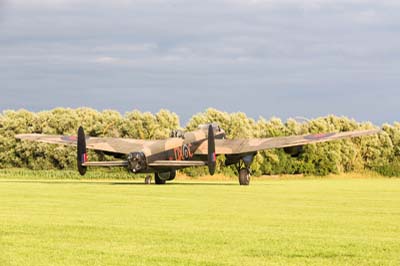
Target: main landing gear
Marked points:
158	179
244	177
244	173
243	168
161	178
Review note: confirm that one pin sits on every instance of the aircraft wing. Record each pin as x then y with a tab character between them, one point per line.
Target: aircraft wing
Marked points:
253	145
113	145
166	163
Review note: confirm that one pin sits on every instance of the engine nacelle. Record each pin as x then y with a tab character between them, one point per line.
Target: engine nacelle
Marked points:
294	151
137	162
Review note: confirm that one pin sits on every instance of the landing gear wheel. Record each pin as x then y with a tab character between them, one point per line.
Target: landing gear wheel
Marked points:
147	180
158	180
244	177
172	175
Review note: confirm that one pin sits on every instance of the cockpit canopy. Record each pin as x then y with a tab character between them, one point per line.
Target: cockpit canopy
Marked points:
215	126
177	133
204	127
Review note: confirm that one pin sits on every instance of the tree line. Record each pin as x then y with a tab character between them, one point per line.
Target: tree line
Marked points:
380	153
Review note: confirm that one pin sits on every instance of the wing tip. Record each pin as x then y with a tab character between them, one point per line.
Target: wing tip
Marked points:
371	131
23	136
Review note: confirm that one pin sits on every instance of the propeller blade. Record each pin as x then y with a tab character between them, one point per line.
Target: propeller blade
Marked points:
81	151
212	156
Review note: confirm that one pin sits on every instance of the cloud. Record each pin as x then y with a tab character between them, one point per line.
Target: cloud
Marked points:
266	57
304	4
107	60
130	48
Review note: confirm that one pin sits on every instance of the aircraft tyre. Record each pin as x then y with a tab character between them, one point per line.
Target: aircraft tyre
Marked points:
158	180
244	177
172	175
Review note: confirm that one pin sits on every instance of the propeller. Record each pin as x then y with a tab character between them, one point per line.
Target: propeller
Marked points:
81	151
212	156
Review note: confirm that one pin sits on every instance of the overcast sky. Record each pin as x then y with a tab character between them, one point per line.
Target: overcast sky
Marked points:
283	58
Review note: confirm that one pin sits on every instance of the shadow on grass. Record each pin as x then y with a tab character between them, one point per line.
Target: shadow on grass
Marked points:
116	183
197	183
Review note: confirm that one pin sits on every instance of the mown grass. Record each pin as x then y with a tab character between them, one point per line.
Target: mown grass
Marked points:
93	174
277	222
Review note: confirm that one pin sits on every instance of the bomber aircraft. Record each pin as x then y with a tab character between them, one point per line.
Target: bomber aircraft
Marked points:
184	149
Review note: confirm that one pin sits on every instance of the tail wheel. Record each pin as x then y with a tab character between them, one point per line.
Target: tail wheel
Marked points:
244	177
147	180
158	180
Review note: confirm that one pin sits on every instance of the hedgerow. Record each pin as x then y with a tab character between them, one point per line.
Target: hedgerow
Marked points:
379	153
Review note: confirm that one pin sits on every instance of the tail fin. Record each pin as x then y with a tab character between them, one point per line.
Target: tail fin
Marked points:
81	151
212	157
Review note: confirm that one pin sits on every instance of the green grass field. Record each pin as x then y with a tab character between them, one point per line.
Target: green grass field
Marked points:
278	222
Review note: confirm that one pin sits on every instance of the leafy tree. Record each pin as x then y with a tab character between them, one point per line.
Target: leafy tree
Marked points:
380	152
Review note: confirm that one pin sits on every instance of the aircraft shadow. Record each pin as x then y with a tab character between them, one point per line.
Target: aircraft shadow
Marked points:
176	184
115	183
